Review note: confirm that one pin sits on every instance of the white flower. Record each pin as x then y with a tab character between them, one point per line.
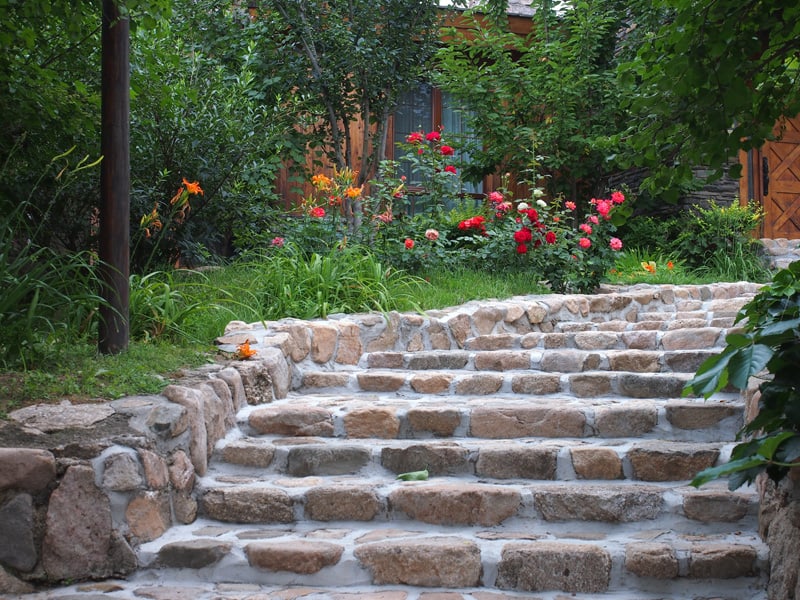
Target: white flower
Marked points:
538	193
541	203
523	206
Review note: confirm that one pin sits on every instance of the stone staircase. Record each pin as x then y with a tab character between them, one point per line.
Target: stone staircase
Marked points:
557	444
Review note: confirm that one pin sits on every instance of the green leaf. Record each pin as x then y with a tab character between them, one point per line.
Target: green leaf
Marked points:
414	476
746	362
727	469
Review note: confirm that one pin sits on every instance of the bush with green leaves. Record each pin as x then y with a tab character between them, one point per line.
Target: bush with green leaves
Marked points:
767	348
720	239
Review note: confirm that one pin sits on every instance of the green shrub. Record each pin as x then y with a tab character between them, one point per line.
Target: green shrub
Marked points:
719	241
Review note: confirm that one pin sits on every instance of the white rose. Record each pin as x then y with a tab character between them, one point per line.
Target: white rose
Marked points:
541	203
523	206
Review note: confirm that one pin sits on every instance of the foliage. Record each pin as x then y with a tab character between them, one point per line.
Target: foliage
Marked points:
349	61
713	77
290	282
651	233
554	89
636	265
720	239
199	113
769	339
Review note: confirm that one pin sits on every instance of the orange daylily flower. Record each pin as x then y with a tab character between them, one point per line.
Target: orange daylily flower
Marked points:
649	266
670	266
244	351
193	187
353	192
321	182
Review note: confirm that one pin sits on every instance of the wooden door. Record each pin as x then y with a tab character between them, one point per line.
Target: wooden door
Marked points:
772	178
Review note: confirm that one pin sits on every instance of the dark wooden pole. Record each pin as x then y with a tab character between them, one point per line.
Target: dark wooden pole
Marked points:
115	181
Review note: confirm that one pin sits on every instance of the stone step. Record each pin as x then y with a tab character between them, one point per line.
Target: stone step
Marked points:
572	559
582	384
498	460
456	501
385	416
553	360
662	335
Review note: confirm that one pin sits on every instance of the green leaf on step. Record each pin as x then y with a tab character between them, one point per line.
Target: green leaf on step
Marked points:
414	476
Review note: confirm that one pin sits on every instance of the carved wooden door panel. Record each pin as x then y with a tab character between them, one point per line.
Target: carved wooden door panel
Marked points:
779	181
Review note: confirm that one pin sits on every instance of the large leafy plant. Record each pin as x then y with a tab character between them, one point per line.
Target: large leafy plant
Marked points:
769	340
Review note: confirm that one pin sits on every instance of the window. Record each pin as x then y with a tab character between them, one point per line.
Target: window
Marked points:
424	109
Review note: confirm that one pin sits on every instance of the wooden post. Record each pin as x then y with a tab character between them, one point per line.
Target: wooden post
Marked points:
114	329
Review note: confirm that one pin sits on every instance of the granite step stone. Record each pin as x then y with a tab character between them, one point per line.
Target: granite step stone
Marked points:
526	459
497	560
496	417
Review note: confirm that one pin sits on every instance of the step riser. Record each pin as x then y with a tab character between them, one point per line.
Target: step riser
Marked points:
449	562
673	420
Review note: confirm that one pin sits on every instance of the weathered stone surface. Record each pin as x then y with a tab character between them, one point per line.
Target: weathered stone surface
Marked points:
631	419
650	385
711	506
670	461
596	340
439	458
478	385
453	359
608	303
651	559
256	381
17	546
181	472
431	383
441	422
686	361
596	463
342	503
381	382
638	361
294	420
502	360
167	592
121	472
590	385
323	341
300	335
325	379
156	474
485	319
722	561
692	415
280	375
385	360
349	349
192	554
784	545
460	328
430	562
516	421
233	378
569	361
373	422
690	339
598	503
247	505
77	537
249	452
184	507
303	557
148	515
540	566
497	341
537	313
168	420
48	418
223	392
317	459
523	462
11	585
640	340
536	383
26	469
456	504
195	411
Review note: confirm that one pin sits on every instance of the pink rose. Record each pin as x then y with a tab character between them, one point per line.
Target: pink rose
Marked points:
570	205
584	243
431	234
414	138
278	242
409	243
317	212
446	150
433	136
586	228
615	243
617	197
495	197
